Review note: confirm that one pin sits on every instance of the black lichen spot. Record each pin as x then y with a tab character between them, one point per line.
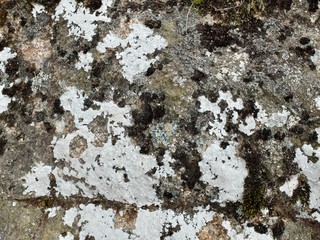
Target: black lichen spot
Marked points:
288	98
224	144
143	116
189	160
57	108
97	68
49	128
167	194
12	67
150	71
152	23
198	76
93	4
304	40
249	108
305	53
313	137
305	118
23	89
279	136
263	134
260	228
214	36
278	229
159	112
3	143
284	4
296	129
23	21
313	5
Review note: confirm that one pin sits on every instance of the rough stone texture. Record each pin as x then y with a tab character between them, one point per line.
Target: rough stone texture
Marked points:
161	119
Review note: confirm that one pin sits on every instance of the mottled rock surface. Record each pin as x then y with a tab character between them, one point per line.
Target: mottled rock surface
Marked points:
162	119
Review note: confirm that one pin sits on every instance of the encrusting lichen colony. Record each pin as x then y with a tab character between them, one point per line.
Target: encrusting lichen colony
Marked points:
124	160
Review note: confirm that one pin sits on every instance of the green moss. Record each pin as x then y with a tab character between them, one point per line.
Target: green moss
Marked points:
253	197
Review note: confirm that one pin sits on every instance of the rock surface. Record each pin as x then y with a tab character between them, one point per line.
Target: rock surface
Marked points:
162	119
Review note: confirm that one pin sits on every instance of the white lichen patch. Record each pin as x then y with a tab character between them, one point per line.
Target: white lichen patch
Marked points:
289	186
37	182
37	9
317	102
115	170
221	114
4	100
82	23
249	125
52	212
99	223
67	236
136	47
85	59
5	55
223	169
308	168
277	119
246	233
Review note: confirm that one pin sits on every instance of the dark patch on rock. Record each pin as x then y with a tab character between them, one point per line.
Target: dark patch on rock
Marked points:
249	108
57	108
167	194
198	76
263	134
143	116
147	146
304	40
91	4
12	67
281	4
3	143
150	71
304	118
150	23
305	53
49	128
313	5
279	136
224	144
214	36
297	129
288	98
260	228
159	112
278	229
188	158
22	89
313	137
